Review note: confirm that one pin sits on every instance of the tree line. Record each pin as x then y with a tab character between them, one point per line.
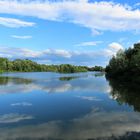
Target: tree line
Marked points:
26	65
125	65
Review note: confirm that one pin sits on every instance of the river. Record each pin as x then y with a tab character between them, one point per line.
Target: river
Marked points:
80	106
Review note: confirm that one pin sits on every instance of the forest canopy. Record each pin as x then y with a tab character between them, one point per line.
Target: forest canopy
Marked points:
27	65
125	65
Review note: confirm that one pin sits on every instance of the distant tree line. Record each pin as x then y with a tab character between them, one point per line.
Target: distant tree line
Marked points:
125	65
27	65
96	68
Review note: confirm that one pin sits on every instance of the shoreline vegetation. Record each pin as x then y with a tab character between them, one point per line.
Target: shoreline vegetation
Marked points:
125	66
26	65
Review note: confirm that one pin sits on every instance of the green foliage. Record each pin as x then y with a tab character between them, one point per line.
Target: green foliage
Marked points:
30	66
66	68
126	64
96	68
1	71
27	65
3	64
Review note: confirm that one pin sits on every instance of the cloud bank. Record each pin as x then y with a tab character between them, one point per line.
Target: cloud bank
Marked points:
59	56
97	16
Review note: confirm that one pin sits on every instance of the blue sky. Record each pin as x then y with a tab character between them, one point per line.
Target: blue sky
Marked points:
78	32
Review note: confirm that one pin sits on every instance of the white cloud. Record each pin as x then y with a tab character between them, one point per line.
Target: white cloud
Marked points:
96	32
61	53
21	37
115	46
112	49
98	16
17	52
15	23
91	43
59	56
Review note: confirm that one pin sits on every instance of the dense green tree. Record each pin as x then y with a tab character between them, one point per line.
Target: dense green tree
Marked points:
126	64
27	65
3	64
96	68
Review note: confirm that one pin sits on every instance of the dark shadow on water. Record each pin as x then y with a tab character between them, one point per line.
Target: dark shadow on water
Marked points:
125	93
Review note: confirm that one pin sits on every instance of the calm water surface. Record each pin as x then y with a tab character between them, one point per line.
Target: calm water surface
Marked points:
81	106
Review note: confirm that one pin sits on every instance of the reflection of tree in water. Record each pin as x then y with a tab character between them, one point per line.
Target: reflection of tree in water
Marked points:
99	74
68	78
14	80
126	93
127	136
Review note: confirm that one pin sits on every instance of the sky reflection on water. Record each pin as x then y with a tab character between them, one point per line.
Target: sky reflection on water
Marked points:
54	106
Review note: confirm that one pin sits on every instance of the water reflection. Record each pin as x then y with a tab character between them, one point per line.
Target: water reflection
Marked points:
68	78
96	125
15	85
53	85
125	93
98	74
13	118
82	109
6	80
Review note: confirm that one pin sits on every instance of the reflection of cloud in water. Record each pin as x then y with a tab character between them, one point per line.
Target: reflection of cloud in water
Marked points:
58	88
12	118
20	88
93	125
21	104
88	84
89	98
